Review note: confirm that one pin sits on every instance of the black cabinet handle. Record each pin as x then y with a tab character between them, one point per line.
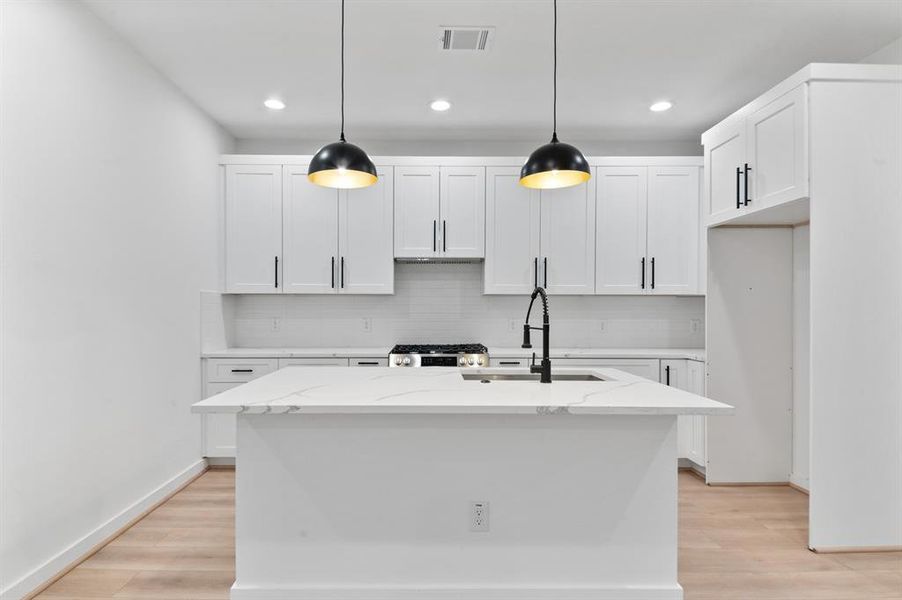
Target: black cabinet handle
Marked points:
746	175
510	362
342	271
667	374
643	272
545	272
652	272
276	270
242	370
444	236
433	234
738	201
369	363
333	272
535	272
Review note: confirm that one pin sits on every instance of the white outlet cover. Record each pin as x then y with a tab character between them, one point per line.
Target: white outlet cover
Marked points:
479	516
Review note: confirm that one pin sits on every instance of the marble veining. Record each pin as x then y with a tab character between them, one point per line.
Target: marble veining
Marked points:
318	389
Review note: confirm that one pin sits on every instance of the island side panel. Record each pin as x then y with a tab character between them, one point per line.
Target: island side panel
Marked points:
378	506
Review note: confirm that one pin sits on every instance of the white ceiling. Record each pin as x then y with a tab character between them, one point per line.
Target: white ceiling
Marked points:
616	57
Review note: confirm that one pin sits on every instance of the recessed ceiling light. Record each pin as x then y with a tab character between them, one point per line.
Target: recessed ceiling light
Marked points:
440	105
660	106
273	104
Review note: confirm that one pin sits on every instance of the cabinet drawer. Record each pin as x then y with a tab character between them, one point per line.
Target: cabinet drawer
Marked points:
649	368
309	362
509	362
369	362
226	370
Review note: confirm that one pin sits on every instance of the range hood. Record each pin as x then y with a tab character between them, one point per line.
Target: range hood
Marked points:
438	260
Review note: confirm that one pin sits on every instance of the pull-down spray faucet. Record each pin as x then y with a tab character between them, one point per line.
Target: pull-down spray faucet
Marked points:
545	367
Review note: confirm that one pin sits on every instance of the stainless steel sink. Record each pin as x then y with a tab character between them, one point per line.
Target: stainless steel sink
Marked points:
489	377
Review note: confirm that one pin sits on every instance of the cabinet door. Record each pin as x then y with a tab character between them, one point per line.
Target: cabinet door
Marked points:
649	368
512	233
219	428
462	212
697	423
366	264
416	211
253	217
620	263
724	154
568	239
675	374
309	235
673	230
778	150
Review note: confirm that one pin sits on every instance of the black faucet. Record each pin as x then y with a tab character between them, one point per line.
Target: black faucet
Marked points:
545	367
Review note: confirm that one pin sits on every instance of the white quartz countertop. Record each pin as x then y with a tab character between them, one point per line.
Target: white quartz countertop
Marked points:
373	390
494	352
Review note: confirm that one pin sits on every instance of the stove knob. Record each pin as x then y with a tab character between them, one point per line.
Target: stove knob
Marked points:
462	361
398	360
406	361
470	361
481	361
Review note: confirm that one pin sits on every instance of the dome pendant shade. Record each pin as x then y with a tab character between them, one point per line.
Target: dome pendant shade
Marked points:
342	165
554	165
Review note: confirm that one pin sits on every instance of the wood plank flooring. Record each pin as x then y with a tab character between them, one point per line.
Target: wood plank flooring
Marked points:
736	543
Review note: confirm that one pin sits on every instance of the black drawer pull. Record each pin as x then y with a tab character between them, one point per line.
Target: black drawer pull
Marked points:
242	370
510	362
372	363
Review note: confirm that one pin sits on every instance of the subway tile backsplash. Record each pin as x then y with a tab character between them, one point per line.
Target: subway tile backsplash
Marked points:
444	303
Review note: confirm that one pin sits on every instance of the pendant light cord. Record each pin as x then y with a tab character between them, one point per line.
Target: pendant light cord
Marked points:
554	86
342	135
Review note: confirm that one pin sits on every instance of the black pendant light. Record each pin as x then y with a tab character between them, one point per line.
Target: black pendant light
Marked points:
341	164
554	165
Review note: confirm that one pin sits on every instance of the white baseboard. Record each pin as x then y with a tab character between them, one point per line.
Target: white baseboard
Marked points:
625	592
77	551
801	483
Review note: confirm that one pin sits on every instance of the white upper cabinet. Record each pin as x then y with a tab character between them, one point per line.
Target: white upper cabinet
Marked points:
462	193
512	233
568	239
620	230
366	264
759	160
647	230
253	218
673	225
724	165
439	211
416	211
778	150
309	234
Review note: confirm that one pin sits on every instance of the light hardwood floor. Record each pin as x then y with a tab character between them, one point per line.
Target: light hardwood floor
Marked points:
743	543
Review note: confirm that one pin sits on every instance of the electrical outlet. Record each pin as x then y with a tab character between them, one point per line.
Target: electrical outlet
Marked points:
695	325
367	325
479	516
513	324
276	324
602	326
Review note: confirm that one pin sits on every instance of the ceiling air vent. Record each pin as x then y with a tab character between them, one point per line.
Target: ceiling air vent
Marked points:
473	39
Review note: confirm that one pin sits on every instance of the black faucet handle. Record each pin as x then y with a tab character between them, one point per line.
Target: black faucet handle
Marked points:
526	342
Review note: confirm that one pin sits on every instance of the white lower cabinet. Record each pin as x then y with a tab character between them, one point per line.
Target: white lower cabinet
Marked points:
688	375
313	362
643	367
221	374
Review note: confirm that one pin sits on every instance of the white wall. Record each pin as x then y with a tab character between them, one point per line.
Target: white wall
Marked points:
109	231
801	355
471	148
891	54
444	303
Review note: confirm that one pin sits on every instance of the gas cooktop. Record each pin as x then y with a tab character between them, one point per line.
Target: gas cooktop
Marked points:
439	355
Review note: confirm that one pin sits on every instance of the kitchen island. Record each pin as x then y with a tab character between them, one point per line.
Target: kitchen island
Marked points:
439	483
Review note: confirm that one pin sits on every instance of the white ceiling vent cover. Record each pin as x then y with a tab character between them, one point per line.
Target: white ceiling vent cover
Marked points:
472	39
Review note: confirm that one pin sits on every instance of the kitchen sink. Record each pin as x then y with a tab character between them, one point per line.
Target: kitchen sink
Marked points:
489	377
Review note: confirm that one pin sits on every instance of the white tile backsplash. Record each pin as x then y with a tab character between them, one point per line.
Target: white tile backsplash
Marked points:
445	303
